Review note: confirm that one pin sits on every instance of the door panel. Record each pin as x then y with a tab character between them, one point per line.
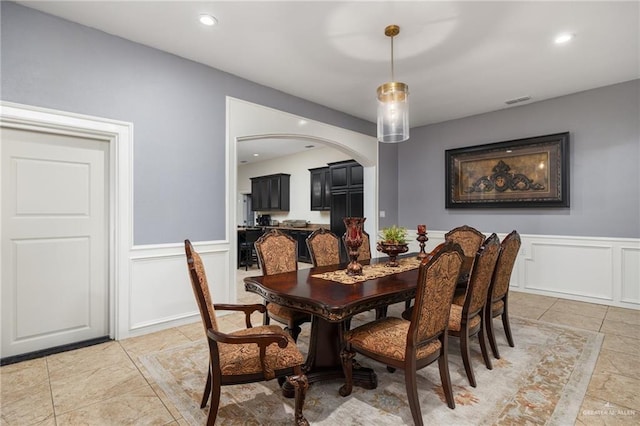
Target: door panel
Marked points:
54	240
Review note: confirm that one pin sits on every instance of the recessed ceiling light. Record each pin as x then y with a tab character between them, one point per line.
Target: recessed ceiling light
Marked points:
564	38
255	155
208	20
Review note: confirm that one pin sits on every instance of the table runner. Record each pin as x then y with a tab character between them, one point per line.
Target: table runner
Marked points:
369	272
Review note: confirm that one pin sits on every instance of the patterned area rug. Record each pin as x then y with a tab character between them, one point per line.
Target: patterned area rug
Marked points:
542	380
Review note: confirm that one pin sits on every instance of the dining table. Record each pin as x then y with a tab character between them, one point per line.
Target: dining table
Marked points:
333	303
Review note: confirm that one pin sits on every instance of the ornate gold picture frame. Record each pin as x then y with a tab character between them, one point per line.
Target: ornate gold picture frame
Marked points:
531	172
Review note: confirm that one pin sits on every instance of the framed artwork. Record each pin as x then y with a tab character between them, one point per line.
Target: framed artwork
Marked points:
531	172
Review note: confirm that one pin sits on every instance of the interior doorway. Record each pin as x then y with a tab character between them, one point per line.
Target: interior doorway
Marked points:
246	120
72	168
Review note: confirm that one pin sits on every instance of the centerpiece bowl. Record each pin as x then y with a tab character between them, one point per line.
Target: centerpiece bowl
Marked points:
392	250
393	241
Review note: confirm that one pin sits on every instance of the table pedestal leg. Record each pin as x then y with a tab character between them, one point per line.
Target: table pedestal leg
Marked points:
323	361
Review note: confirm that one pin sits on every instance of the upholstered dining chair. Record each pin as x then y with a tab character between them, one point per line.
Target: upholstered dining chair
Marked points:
277	253
497	303
324	247
247	355
412	345
470	239
467	319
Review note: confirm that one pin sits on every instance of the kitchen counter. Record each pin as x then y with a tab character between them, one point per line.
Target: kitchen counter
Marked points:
310	227
300	234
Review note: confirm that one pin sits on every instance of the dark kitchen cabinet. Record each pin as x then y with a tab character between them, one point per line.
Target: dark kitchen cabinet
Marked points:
320	188
347	196
270	192
346	175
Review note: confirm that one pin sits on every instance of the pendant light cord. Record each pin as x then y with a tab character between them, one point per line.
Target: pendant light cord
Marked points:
392	73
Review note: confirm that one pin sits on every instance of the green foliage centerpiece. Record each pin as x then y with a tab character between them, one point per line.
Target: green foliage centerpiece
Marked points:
393	241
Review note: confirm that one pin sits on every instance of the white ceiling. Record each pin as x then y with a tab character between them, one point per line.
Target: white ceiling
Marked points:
458	58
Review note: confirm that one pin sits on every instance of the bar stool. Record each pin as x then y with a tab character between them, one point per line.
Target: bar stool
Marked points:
248	253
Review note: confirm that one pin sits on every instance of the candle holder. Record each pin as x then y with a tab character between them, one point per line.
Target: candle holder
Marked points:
422	239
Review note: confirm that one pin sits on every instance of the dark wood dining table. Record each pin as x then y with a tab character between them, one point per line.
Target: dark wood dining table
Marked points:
331	304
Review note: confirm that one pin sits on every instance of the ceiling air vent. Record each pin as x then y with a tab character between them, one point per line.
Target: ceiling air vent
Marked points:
517	100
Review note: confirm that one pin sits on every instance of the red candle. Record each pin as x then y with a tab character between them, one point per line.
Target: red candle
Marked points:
422	229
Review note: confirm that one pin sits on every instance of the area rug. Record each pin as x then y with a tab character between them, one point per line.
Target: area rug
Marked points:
542	380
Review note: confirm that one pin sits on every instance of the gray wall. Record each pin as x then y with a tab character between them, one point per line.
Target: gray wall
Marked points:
604	165
177	107
388	183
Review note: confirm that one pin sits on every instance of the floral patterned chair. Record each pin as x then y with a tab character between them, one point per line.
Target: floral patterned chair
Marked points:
467	319
497	304
324	247
247	355
470	239
277	253
412	345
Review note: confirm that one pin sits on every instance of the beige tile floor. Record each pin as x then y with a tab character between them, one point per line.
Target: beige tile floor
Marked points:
107	385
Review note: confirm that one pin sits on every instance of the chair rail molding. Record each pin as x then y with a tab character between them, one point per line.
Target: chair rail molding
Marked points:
160	291
589	269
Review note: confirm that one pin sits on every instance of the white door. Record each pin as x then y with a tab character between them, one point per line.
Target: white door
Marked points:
54	241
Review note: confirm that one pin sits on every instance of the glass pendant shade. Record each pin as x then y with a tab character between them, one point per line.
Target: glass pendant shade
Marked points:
393	112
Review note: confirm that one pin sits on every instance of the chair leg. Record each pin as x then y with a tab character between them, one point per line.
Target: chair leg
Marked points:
505	323
412	395
483	344
215	401
207	390
445	378
466	356
294	330
490	334
300	385
347	367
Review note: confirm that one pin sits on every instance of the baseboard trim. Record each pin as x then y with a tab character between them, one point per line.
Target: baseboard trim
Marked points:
51	351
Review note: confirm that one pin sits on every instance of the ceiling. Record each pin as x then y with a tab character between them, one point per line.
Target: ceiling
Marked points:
458	58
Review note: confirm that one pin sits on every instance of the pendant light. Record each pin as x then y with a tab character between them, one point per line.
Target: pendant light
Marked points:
393	103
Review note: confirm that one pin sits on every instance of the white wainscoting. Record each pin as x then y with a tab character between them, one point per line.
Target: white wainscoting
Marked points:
596	270
160	293
589	269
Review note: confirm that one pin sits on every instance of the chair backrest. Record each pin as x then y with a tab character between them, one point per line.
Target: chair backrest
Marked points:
502	274
324	247
470	239
277	252
200	287
481	275
434	293
364	251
